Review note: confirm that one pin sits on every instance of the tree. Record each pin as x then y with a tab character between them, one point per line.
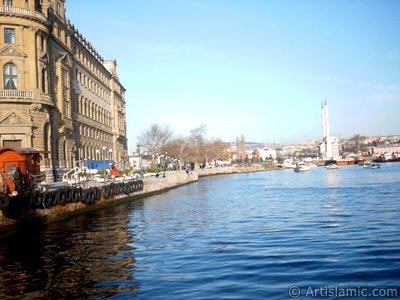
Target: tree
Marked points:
155	138
240	147
196	142
217	150
177	148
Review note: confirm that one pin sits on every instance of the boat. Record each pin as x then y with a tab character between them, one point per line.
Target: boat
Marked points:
301	167
346	161
331	166
288	164
371	165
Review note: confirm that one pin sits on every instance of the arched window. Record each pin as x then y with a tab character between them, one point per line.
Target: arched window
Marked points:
10	77
44	80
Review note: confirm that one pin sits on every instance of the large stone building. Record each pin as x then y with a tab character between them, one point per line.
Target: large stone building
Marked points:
58	94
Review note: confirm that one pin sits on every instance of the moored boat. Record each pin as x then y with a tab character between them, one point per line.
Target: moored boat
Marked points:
288	164
371	165
301	167
331	166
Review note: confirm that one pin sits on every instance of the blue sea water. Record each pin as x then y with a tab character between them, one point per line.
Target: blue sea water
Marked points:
265	235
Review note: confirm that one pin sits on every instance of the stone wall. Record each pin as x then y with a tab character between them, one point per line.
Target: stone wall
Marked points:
231	170
171	180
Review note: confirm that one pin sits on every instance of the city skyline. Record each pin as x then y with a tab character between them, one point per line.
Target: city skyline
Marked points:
256	68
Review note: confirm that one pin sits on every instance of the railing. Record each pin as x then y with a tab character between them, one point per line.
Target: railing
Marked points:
73	174
21	11
16	94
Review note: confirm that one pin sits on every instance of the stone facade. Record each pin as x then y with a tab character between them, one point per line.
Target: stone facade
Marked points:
58	94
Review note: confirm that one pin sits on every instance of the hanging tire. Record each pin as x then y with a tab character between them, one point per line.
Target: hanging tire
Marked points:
47	199
75	195
111	188
106	192
126	188
60	197
68	194
37	199
131	187
88	196
121	189
4	201
97	193
140	185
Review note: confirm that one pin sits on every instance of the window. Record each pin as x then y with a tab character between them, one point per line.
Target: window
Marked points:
9	35
44	80
7	2
38	6
10	77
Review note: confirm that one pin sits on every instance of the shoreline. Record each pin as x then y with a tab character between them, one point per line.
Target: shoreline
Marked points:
151	186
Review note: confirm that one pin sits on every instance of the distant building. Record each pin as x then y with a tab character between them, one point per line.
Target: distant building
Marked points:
267	153
390	149
58	94
329	148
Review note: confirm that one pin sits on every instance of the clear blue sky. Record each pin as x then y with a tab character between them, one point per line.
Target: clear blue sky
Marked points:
254	67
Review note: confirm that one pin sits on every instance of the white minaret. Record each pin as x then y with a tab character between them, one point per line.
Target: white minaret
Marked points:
327	152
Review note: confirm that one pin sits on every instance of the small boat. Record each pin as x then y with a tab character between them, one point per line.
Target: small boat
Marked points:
371	165
288	164
331	167
301	167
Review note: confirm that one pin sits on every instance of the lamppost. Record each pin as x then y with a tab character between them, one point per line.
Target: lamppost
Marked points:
140	159
103	154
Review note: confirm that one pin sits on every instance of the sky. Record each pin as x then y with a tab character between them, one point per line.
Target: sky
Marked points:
254	67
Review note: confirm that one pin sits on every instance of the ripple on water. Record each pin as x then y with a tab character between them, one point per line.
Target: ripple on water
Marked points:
243	236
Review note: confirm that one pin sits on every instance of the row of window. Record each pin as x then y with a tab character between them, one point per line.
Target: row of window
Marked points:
94	133
93	111
90	64
92	86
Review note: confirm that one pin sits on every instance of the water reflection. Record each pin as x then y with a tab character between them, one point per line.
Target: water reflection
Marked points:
244	236
84	256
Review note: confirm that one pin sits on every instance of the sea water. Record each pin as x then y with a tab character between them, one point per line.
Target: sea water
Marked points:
321	234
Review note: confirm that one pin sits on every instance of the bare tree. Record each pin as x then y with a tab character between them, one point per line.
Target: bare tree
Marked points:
155	138
197	142
217	150
240	146
178	148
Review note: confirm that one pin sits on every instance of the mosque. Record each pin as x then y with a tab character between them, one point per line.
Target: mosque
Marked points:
329	148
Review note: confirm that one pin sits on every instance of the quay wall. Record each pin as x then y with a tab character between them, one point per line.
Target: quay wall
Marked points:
171	180
151	185
233	170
